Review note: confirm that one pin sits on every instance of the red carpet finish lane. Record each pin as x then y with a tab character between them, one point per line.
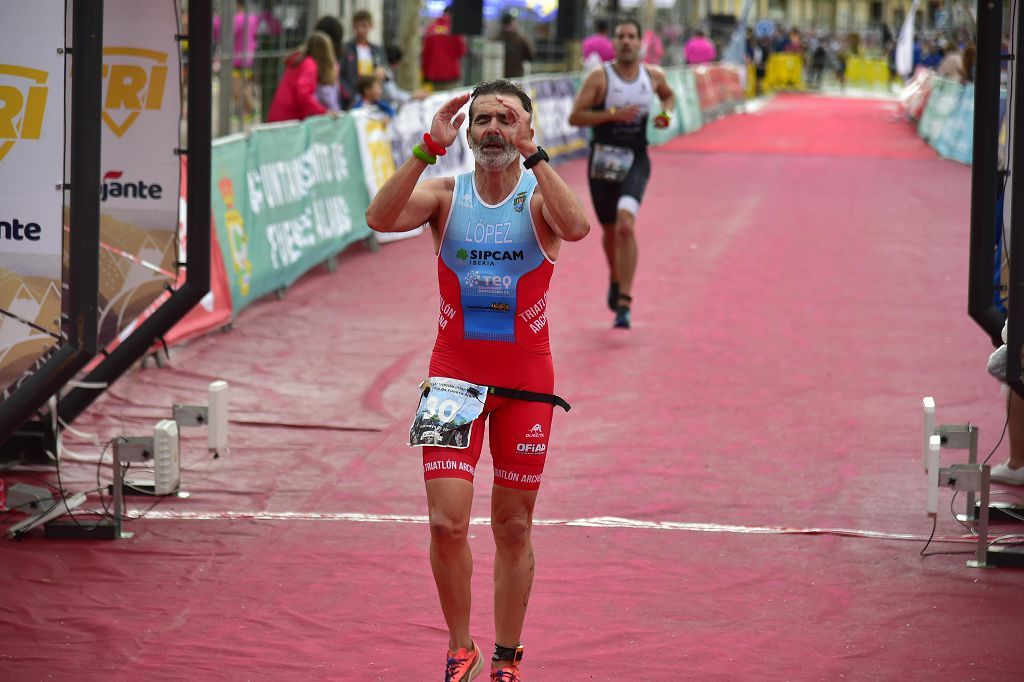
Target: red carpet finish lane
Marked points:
808	125
802	285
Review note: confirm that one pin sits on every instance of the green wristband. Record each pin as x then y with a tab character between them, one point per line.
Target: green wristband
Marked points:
423	155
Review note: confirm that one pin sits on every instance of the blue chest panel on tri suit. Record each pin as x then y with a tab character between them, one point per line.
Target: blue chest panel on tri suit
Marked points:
489	248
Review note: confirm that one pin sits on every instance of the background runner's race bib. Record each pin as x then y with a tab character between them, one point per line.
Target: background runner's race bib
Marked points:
610	163
447	411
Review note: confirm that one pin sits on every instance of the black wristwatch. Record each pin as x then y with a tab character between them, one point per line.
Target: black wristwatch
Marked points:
535	158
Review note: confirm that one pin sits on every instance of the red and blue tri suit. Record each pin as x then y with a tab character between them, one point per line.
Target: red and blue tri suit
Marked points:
493	276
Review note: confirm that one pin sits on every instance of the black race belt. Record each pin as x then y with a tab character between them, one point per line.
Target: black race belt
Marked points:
529	396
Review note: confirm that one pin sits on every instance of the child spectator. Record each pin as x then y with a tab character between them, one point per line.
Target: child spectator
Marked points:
321	49
334	30
394	95
371	92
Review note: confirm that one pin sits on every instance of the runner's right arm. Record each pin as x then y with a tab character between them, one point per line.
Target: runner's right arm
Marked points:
403	203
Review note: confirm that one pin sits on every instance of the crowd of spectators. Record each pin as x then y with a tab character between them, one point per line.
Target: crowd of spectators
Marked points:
328	74
363	72
824	54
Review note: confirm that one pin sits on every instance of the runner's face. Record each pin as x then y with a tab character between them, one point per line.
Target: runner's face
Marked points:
490	133
627	43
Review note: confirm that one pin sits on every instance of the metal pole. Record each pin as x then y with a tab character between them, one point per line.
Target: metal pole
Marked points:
118	491
985	178
1015	285
981	555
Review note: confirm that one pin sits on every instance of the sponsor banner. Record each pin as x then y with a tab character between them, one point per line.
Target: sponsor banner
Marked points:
32	141
867	72
229	201
947	121
285	199
31	127
914	95
30	298
374	130
139	187
943	101
687	100
552	103
956	139
374	147
784	71
31	174
728	78
706	91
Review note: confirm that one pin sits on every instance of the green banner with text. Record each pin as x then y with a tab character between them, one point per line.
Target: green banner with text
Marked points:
284	199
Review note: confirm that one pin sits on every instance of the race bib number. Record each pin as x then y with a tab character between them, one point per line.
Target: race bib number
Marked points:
610	163
447	411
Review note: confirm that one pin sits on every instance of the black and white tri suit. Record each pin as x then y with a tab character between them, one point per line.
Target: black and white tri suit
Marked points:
619	165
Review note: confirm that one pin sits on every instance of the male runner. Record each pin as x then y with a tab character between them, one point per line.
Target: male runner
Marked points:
616	101
497	232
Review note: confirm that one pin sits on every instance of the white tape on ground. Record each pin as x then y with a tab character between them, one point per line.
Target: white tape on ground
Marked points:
594	522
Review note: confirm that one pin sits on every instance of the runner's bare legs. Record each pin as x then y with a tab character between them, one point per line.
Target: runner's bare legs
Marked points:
608	242
449	501
511	523
625	251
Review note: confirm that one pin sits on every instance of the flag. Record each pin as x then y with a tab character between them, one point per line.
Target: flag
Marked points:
905	43
736	51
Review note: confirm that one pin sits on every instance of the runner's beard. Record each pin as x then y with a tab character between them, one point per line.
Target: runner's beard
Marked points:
491	158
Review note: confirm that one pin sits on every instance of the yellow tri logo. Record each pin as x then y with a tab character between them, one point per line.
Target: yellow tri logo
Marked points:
135	81
21	108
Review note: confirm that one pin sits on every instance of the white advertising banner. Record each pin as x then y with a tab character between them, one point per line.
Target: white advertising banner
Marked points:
140	170
141	113
31	126
374	147
378	161
31	180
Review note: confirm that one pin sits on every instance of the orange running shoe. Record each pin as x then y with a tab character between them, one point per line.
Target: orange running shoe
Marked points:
509	673
464	665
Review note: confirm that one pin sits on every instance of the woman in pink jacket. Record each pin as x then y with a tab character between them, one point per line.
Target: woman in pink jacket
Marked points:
295	98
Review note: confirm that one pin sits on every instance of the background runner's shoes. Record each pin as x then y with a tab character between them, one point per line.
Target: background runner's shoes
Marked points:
509	673
464	665
613	295
622	317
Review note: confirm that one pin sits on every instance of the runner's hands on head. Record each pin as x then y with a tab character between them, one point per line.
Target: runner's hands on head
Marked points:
444	128
519	121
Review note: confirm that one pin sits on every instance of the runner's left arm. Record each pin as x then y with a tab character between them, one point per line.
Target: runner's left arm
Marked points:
561	207
403	202
663	89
